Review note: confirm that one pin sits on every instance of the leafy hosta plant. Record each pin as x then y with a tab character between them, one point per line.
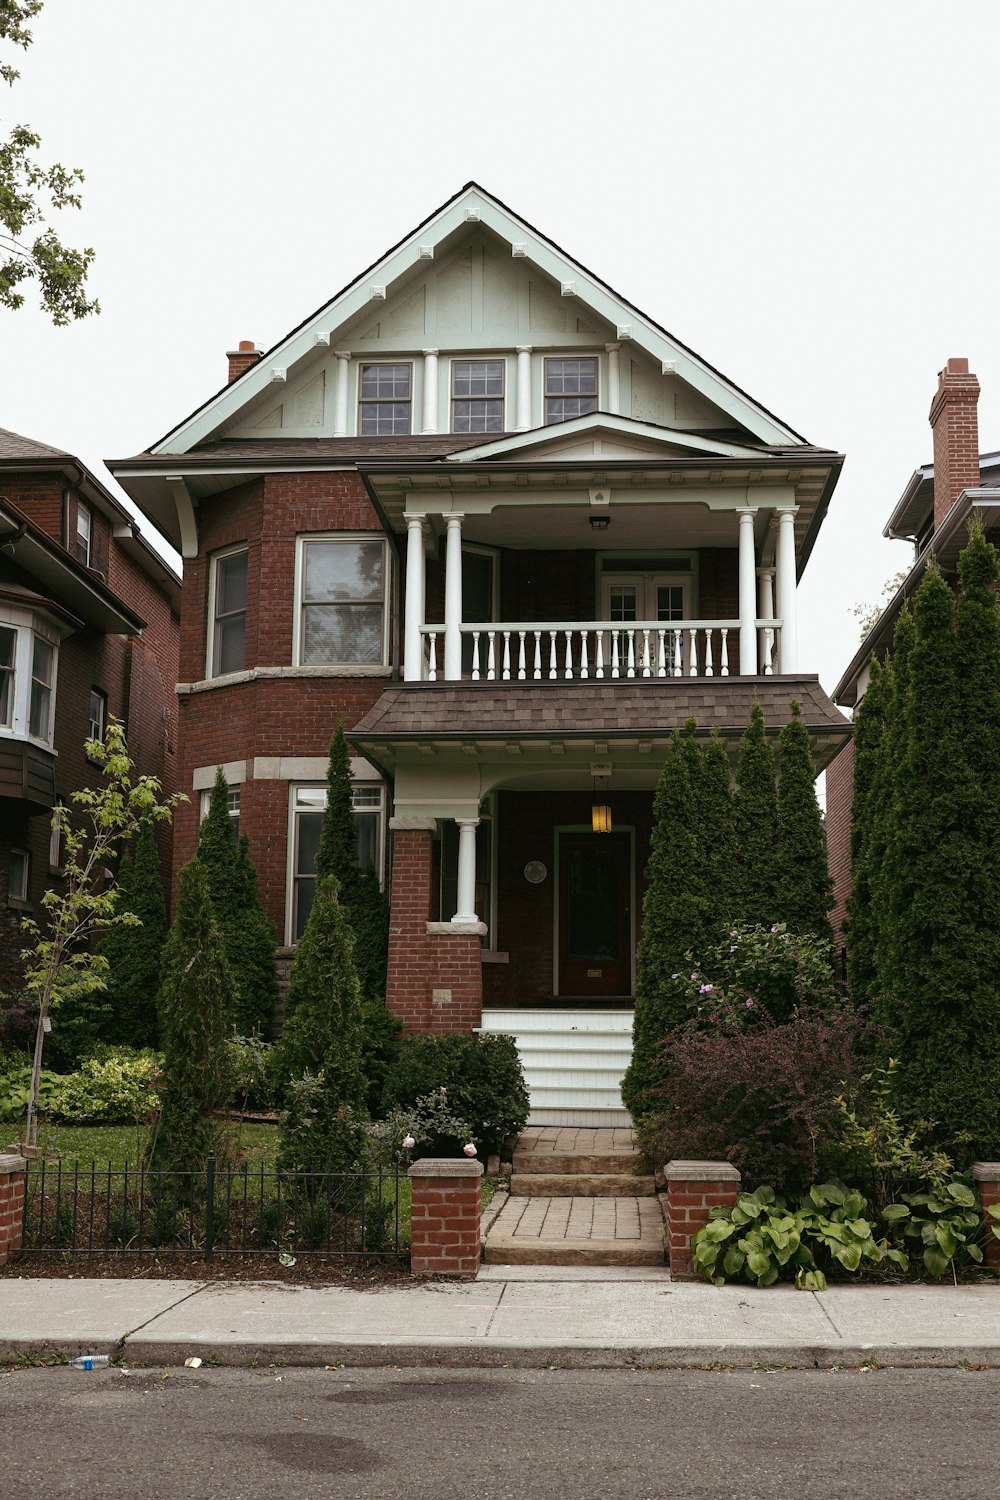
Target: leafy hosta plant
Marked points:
763	1240
947	1221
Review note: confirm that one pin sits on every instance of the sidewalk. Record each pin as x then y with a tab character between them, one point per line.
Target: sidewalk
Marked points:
512	1316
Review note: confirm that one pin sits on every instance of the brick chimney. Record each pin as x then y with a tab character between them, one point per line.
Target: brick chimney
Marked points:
956	436
242	358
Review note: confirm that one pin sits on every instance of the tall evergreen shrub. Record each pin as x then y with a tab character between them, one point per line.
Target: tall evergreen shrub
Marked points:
134	953
804	887
246	933
867	847
755	807
194	1009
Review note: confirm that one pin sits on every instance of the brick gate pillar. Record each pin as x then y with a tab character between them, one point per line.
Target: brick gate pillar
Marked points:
444	1216
12	1170
693	1188
408	989
986	1176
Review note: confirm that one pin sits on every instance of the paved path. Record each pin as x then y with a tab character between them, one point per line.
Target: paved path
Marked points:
566	1140
577	1231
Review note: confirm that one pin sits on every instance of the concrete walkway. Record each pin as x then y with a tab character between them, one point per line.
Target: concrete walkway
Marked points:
523	1316
577	1232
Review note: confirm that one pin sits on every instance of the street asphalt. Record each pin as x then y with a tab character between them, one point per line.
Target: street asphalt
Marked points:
510	1316
427	1434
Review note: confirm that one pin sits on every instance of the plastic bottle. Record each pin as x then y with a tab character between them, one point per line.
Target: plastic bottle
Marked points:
89	1362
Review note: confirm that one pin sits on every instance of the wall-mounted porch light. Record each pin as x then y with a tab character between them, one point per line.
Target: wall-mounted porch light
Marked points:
600	812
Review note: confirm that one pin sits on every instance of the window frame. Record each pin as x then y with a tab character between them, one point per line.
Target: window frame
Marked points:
211	632
100	724
28	627
292	875
555	359
7	723
232	807
302	542
363	401
454	400
21	896
84	535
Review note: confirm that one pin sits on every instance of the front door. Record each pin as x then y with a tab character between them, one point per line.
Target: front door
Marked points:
595	914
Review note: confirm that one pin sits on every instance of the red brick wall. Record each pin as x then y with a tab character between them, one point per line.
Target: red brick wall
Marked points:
445	1219
12	1205
955	422
690	1199
408	989
839	798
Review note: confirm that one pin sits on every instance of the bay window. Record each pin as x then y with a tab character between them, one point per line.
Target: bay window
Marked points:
29	648
227	598
341	614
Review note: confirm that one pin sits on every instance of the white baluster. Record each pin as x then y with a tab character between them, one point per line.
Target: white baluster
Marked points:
615	661
475	655
724	651
599	654
569	654
693	667
506	656
584	660
678	654
491	667
520	656
709	668
538	655
553	664
645	654
767	652
661	665
630	637
432	664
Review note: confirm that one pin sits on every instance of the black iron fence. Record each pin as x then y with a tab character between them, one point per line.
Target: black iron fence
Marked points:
71	1209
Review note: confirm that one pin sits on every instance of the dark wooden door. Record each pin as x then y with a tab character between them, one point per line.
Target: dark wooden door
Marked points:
595	914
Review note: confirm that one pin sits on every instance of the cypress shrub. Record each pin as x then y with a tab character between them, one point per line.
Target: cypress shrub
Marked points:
889	832
194	1007
863	911
804	887
134	953
755	808
247	935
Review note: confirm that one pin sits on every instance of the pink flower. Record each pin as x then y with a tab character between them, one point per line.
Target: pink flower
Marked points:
695	974
706	989
748	1002
408	1142
733	932
469	1150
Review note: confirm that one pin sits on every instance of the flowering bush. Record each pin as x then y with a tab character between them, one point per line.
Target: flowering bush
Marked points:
119	1084
762	967
483	1085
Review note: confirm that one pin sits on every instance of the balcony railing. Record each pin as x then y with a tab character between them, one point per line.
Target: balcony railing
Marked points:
531	651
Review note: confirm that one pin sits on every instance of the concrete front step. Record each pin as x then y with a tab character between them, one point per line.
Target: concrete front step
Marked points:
553	1162
580	1231
507	1252
581	1185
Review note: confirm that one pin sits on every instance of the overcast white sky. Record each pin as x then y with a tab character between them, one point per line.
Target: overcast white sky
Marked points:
806	194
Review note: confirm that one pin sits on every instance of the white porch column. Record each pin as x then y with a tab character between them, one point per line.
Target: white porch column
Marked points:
430	390
413	646
614	378
466	911
523	422
765	611
748	595
340	392
788	648
453	600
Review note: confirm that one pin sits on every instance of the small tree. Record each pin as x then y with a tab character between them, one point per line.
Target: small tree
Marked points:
247	935
364	901
755	807
134	954
59	964
804	887
323	1029
194	1008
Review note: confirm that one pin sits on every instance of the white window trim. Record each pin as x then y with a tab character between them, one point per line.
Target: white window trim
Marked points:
470	359
102	695
547	359
29	625
291	845
301	542
213	574
360	403
84	535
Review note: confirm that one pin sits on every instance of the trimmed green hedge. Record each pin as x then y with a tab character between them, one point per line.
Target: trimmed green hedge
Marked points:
482	1076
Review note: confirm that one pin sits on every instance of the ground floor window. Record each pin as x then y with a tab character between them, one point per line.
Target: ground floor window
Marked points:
232	807
308	804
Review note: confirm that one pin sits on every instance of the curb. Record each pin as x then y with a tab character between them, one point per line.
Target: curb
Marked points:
496	1354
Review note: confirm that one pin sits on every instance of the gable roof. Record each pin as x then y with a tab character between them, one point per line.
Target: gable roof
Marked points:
474	205
15	447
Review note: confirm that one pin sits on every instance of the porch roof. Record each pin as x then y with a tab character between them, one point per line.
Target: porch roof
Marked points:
417	716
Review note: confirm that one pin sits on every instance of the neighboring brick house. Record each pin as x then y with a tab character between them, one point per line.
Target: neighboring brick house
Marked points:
513	533
89	626
932	514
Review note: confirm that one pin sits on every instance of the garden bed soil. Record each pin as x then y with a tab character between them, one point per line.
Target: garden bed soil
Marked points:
309	1270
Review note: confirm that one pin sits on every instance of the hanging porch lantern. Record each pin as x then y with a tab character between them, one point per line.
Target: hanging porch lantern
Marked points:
600	813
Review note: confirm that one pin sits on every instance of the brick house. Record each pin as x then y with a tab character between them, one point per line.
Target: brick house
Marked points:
514	533
89	626
932	515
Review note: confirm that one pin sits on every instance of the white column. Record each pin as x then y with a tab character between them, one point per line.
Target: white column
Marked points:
788	650
523	422
340	393
466	911
413	646
430	390
614	378
748	595
765	611
453	601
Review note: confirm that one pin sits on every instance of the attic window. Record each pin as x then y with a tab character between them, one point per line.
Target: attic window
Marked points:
570	388
386	392
477	395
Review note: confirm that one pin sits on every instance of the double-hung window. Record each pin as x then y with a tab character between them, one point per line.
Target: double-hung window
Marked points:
98	715
570	388
308	807
84	534
40	698
477	395
18	869
8	667
29	649
228	607
385	400
342	594
232	808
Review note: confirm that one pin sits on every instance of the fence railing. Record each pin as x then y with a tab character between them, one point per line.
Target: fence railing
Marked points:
254	1209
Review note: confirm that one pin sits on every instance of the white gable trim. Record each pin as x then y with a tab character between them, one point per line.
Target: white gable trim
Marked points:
375	284
522	443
